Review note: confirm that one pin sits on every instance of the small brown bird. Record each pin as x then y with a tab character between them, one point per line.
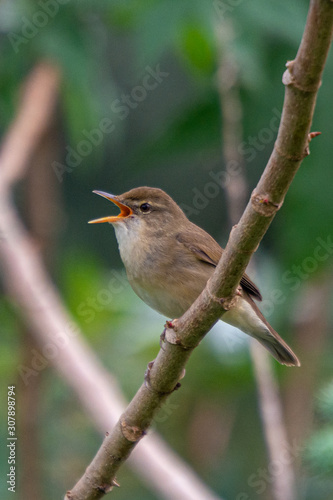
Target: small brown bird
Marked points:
168	261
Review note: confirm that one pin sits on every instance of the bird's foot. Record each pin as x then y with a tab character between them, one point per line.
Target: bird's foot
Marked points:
162	338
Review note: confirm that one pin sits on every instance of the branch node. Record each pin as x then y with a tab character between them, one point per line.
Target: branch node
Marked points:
171	324
148	382
226	303
106	488
311	136
171	337
263	205
288	79
131	432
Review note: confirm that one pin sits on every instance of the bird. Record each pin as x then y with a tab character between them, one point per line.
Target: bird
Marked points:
169	259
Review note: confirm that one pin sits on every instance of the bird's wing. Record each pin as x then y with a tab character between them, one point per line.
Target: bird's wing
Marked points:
206	249
250	287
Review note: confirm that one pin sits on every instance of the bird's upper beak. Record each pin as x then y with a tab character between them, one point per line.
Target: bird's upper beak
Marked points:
125	211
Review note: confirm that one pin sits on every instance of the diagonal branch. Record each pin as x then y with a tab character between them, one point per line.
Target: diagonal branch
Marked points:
302	80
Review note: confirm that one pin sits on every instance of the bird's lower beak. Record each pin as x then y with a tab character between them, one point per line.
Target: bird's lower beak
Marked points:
125	211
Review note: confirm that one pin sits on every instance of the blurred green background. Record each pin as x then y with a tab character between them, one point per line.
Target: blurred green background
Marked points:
170	135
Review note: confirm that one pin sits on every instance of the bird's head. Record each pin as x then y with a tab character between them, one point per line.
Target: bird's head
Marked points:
145	205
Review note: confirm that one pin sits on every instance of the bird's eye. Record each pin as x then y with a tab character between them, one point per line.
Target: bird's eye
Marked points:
145	208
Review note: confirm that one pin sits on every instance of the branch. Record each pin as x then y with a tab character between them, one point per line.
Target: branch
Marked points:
38	101
283	486
236	189
311	314
302	81
55	330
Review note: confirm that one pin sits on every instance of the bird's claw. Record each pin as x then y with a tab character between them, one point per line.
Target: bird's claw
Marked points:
162	338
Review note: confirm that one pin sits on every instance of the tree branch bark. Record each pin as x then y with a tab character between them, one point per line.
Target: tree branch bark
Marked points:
302	80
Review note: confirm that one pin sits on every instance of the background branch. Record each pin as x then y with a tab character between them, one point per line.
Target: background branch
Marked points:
302	81
38	101
269	398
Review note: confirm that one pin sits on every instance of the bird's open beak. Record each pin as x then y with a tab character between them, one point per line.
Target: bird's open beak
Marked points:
125	211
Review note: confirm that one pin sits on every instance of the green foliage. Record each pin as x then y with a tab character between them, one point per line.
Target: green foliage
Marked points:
197	49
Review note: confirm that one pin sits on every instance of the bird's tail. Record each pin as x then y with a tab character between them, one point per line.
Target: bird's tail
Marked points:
272	341
247	317
279	349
